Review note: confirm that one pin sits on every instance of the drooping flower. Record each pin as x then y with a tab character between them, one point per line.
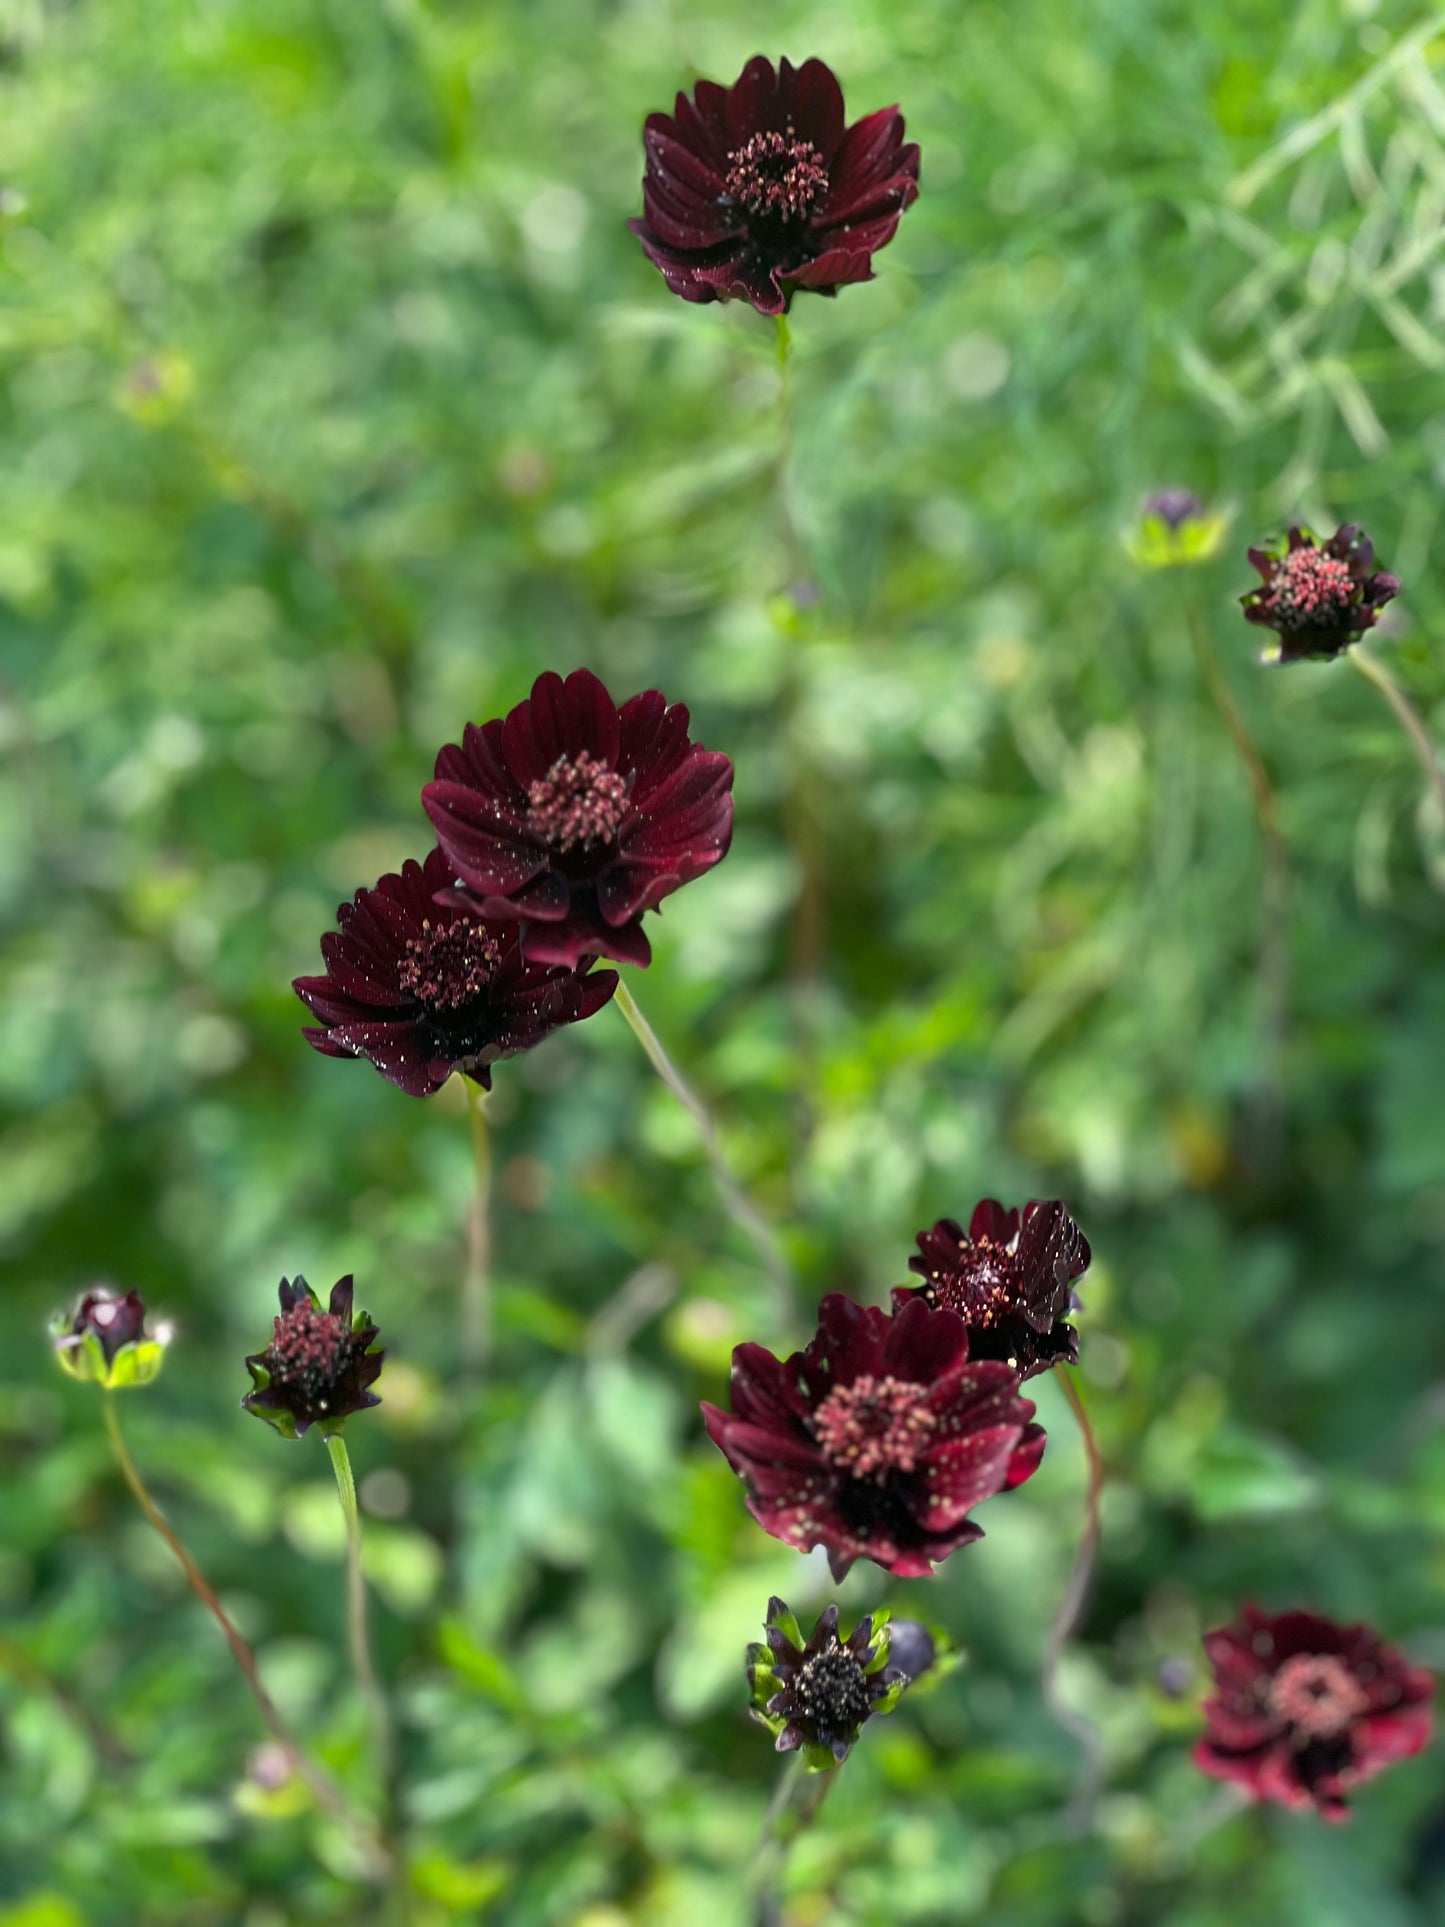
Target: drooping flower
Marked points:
818	1696
424	988
879	1439
104	1340
318	1365
1010	1278
1318	597
576	817
1305	1710
759	189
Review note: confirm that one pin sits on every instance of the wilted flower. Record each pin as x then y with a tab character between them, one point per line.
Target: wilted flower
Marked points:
104	1340
424	988
817	1696
318	1365
1175	528
1010	1278
1305	1710
879	1439
759	189
575	816
1318	598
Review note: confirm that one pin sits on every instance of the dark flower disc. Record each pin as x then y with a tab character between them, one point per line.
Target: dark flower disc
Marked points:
1318	598
819	1695
1304	1710
756	190
318	1366
879	1439
576	817
1010	1278
425	987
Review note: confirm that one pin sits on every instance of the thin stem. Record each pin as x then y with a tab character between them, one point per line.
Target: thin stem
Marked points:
1421	740
796	1803
797	584
740	1208
328	1795
476	1324
1067	1617
356	1627
1274	954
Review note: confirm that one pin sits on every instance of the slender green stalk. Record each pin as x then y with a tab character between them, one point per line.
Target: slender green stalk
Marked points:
740	1208
376	1855
1067	1617
476	1325
356	1626
796	1803
1421	740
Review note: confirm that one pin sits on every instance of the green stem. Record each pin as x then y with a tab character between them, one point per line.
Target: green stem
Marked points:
476	1323
740	1208
1421	740
356	1627
796	1803
375	1853
1067	1617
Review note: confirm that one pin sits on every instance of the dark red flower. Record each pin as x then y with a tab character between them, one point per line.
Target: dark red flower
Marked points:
1305	1710
759	189
104	1340
576	817
317	1367
879	1439
819	1696
1009	1279
424	988
1317	598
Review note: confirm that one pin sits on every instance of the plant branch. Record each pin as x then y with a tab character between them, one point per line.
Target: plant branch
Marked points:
1422	742
796	1803
356	1628
476	1323
1067	1617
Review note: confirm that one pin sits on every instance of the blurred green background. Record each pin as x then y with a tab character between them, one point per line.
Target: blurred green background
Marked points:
335	404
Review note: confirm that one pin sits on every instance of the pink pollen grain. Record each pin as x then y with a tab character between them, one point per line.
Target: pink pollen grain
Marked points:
449	965
875	1426
1307	585
580	801
776	177
1317	1694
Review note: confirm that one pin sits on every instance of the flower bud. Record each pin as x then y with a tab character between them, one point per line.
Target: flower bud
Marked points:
104	1340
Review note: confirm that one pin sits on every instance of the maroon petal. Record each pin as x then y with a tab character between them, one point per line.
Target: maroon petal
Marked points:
814	103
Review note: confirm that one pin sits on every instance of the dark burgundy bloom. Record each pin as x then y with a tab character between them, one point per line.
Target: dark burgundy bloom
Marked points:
1317	598
819	1695
424	988
759	189
1305	1710
104	1340
318	1366
1009	1278
879	1439
575	816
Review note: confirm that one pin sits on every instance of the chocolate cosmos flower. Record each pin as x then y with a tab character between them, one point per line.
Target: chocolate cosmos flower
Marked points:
1009	1279
1304	1710
424	989
879	1439
1318	599
575	816
758	189
817	1696
105	1340
317	1368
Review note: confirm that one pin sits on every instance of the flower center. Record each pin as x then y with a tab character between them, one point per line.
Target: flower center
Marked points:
309	1349
875	1426
448	965
1318	1695
1308	585
776	177
986	1286
577	802
831	1689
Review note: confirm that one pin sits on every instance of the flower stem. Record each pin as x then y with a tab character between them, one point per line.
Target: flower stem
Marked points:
376	1855
1420	738
356	1627
740	1208
796	1803
1274	954
1067	1617
476	1324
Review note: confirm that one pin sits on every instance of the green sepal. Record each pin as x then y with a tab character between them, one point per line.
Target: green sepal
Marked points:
137	1364
819	1759
1154	545
784	1620
275	1416
879	1644
134	1364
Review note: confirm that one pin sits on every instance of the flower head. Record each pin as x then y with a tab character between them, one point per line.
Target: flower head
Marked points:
575	817
1304	1710
104	1340
879	1439
424	988
1010	1278
1318	598
759	189
318	1365
818	1696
